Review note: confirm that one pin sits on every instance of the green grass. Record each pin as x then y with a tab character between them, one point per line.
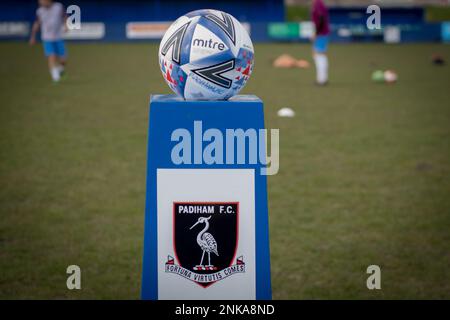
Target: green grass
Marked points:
298	13
364	178
437	13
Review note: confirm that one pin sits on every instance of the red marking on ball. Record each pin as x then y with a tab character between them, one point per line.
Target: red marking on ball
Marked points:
246	71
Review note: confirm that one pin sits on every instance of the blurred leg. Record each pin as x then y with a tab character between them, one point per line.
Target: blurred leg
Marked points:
53	67
321	59
62	56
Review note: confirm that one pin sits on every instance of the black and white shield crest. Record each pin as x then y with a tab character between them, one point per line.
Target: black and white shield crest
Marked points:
205	238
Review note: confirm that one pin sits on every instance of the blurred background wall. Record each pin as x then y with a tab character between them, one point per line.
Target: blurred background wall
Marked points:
266	20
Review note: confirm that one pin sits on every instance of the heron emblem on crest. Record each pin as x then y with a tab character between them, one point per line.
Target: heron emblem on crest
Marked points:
207	243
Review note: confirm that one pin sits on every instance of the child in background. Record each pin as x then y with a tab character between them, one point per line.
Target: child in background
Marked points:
319	15
51	19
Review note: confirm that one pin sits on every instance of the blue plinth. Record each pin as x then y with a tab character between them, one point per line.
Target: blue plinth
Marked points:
198	177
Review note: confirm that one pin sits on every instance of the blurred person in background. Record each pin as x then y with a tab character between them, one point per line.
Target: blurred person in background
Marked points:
319	16
51	19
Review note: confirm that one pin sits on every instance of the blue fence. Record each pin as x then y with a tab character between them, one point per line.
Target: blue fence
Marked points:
115	20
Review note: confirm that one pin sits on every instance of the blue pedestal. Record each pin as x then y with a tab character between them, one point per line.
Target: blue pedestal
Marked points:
206	219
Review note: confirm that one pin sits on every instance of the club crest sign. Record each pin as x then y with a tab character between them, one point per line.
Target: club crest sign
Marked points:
205	242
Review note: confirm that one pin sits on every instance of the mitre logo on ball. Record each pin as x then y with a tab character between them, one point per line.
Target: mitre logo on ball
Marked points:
206	55
205	241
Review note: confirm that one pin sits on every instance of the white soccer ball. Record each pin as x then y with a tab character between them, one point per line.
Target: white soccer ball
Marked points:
206	55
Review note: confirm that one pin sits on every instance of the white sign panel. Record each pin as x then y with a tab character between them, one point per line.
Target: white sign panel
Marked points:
14	29
88	31
392	34
307	29
206	233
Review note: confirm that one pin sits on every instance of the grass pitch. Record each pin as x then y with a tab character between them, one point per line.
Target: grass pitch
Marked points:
364	178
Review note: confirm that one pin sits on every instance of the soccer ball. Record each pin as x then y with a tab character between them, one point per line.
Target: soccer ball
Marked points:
378	76
390	76
206	55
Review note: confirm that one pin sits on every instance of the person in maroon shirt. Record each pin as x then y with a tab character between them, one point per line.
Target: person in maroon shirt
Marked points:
319	16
